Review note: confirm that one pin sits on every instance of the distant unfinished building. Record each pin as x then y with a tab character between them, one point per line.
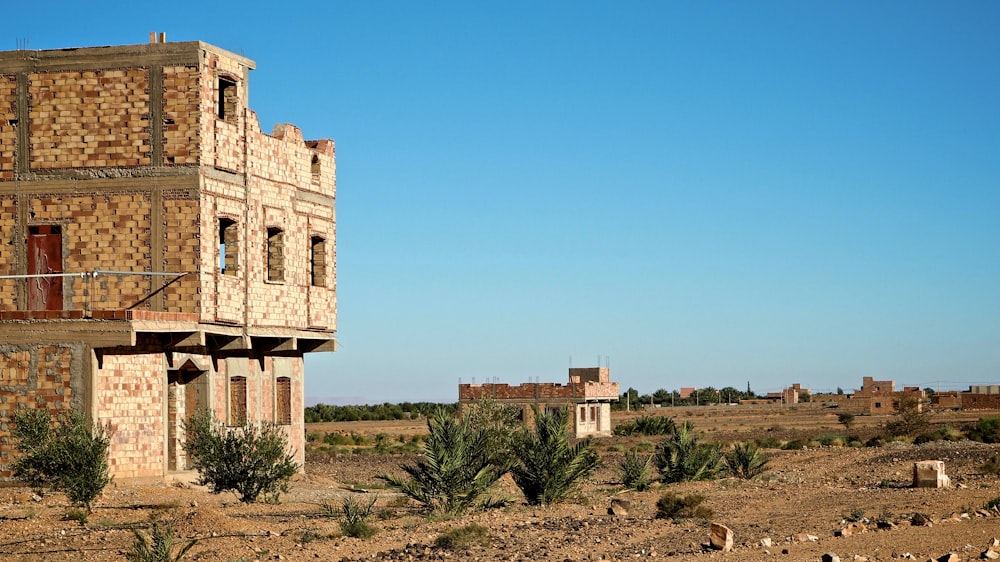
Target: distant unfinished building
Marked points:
587	395
159	253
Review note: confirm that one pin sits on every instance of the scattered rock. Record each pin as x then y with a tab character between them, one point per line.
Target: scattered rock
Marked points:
721	537
803	537
765	542
830	557
921	520
619	507
950	557
852	529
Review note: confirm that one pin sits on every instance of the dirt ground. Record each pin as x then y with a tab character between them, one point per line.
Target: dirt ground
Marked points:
810	491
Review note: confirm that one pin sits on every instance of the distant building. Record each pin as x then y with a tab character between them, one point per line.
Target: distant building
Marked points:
978	397
587	395
686	392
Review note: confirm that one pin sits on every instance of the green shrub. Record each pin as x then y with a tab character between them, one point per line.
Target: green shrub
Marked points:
682	458
794	445
463	538
986	430
455	469
72	459
646	425
499	424
547	466
250	460
353	517
831	440
847	419
159	547
674	506
746	460
768	442
634	471
992	466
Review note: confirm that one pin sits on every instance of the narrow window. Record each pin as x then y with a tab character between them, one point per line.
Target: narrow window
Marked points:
284	399
593	413
583	413
315	169
228	246
237	400
275	254
227	99
317	261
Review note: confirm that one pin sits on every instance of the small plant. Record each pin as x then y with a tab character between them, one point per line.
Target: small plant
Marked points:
846	419
857	514
250	460
158	547
794	445
73	458
682	458
634	471
78	515
768	442
354	517
992	466
548	467
674	506
463	538
992	504
746	460
455	470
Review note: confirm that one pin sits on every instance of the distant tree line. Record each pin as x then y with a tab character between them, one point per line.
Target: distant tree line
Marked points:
700	397
373	412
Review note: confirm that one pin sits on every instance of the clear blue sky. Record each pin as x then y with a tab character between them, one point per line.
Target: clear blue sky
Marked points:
705	193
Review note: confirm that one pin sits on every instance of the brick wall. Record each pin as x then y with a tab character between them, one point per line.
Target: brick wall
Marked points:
93	118
130	390
8	130
181	116
35	377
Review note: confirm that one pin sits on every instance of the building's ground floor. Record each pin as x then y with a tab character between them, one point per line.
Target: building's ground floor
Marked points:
146	392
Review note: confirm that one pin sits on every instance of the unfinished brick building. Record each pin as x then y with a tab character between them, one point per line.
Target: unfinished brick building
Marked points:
159	253
588	396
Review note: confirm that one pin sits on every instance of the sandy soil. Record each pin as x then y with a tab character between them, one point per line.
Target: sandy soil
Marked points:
808	491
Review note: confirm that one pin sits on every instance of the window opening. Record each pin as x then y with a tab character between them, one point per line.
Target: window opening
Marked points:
315	169
317	261
275	254
228	246
284	400
227	99
237	400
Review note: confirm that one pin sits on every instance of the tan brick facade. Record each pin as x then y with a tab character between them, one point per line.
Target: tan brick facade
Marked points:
141	211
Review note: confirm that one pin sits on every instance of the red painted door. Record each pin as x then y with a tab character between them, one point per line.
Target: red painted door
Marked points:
45	256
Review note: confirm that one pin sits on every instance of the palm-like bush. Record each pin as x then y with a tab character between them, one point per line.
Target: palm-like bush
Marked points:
634	470
746	460
159	547
547	466
455	469
682	458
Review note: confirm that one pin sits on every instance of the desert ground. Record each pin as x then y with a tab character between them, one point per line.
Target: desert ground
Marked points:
806	494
